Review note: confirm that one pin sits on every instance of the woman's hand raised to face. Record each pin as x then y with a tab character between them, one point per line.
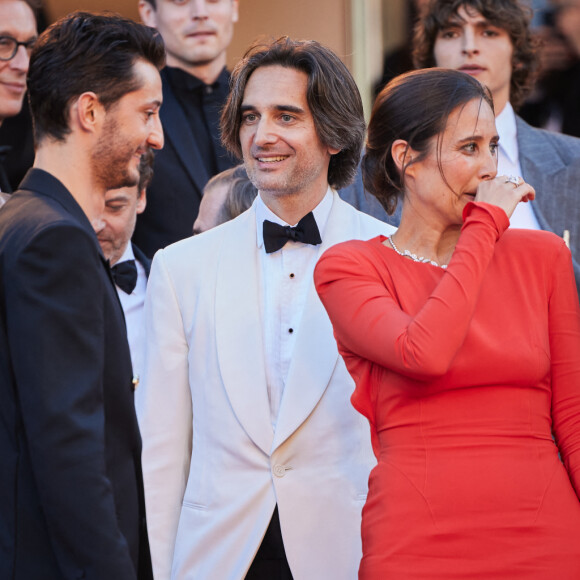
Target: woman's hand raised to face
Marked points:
503	192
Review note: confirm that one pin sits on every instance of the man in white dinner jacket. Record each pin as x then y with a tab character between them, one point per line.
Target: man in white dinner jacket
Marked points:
255	463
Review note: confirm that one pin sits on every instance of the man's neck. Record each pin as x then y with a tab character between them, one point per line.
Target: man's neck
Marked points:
499	103
208	73
293	207
67	164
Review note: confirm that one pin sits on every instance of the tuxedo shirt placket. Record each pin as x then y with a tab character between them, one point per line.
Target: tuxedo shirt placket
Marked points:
286	279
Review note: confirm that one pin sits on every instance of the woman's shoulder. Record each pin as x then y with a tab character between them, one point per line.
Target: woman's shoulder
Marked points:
539	241
355	248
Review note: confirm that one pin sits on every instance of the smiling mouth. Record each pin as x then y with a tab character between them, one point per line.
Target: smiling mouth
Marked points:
272	159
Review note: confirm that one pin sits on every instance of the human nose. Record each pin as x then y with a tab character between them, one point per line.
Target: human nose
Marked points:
98	224
488	168
469	42
156	138
264	134
199	10
21	59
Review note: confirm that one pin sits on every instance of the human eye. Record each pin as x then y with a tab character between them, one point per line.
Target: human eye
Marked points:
470	147
286	118
249	117
7	47
449	33
493	147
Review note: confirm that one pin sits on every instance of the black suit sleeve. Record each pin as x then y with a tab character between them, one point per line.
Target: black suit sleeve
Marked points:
56	333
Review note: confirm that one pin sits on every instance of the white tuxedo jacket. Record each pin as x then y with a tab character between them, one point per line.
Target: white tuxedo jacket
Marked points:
214	469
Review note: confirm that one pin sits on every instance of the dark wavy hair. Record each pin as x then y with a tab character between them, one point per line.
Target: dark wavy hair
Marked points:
509	15
332	96
402	111
86	52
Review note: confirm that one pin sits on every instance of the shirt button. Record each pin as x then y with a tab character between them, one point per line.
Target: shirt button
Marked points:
280	470
291	275
290	330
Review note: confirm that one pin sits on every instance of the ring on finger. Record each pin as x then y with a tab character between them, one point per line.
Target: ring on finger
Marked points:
513	179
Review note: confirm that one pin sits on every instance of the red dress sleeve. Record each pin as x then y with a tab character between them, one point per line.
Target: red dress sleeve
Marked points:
564	328
368	321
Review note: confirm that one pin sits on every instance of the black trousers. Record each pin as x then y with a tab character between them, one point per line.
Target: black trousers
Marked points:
270	562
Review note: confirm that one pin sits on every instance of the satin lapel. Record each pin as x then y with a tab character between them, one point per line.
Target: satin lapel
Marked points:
177	130
239	330
315	353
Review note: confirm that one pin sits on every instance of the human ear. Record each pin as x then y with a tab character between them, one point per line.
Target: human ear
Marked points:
401	153
87	111
141	202
147	13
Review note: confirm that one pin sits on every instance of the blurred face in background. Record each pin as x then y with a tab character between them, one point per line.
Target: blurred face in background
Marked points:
117	224
196	33
473	45
17	22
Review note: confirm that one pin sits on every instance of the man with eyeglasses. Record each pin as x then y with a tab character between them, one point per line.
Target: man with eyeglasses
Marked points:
17	36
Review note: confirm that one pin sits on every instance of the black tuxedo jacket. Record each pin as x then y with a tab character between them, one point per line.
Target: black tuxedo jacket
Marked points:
179	176
71	494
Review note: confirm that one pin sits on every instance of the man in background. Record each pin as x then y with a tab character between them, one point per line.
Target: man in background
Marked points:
197	34
17	37
491	40
129	265
225	196
71	497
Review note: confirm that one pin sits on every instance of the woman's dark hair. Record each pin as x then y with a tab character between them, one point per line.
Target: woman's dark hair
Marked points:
413	107
332	96
509	15
86	52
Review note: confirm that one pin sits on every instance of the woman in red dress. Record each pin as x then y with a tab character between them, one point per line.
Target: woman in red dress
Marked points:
463	338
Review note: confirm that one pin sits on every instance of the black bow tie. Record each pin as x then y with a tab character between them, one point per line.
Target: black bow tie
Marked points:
125	275
275	235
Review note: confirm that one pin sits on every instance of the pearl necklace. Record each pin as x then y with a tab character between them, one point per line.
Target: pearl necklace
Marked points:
414	257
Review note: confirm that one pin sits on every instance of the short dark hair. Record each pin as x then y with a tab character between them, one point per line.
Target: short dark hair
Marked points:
509	15
332	96
86	52
402	111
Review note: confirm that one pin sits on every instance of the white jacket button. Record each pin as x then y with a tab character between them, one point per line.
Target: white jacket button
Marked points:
280	470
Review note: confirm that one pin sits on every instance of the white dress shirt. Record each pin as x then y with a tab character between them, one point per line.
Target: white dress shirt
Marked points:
286	280
133	308
509	164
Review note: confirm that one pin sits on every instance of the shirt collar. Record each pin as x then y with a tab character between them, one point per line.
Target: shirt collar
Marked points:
182	80
321	214
505	123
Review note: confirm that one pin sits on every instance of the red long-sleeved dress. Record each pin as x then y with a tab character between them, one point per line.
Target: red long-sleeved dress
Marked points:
464	374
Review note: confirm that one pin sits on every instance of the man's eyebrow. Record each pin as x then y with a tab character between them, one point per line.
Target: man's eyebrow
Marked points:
281	108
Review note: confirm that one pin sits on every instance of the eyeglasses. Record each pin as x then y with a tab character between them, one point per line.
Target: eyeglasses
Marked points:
9	47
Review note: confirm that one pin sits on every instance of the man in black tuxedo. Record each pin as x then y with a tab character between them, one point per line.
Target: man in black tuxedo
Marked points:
71	495
129	265
197	34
